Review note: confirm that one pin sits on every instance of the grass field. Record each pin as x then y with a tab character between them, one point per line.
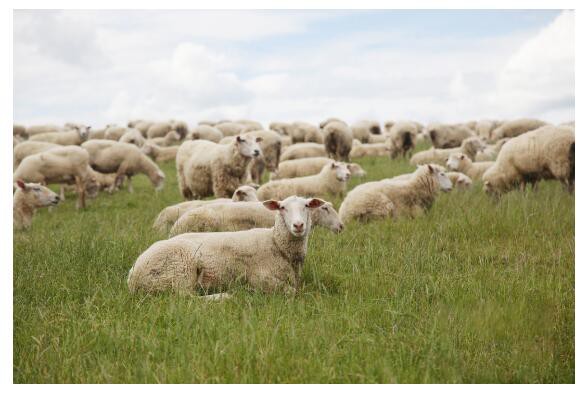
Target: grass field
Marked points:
475	291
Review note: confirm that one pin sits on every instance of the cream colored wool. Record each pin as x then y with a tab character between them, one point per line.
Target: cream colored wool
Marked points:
470	147
27	198
303	150
461	162
338	140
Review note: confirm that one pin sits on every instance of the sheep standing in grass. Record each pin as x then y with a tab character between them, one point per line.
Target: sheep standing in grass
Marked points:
27	198
461	162
329	120
402	136
310	166
303	150
70	137
331	181
470	147
271	146
545	153
410	196
203	132
170	139
490	152
338	140
160	153
126	160
365	128
134	137
28	148
514	128
267	259
205	168
448	136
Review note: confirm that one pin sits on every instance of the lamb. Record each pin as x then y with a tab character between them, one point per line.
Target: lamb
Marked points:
310	166
267	259
363	129
239	216
205	168
514	128
43	128
402	136
491	151
461	162
168	216
232	129
545	153
470	147
62	165
459	181
203	132
69	137
28	148
331	181
396	197
338	140
303	150
360	150
160	153
27	198
134	137
123	159
448	136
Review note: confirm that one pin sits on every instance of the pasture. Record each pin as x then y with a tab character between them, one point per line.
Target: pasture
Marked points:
475	291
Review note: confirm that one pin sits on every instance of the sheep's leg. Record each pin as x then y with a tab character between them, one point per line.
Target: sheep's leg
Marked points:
80	187
130	187
62	192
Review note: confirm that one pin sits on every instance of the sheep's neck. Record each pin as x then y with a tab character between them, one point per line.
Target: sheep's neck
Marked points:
149	167
22	210
424	190
238	165
292	248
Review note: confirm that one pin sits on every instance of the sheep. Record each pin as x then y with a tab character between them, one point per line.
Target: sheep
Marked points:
171	138
19	130
114	132
27	198
377	139
142	126
331	181
363	129
239	216
159	130
402	136
267	259
410	196
160	153
470	147
545	153
123	159
62	165
484	129
360	150
461	162
447	136
303	150
231	129
28	148
490	152
271	146
69	137
205	168
98	134
329	120
314	134
203	132
310	166
298	131
250	123
44	128
459	181
279	127
514	128
133	136
338	140
388	125
168	216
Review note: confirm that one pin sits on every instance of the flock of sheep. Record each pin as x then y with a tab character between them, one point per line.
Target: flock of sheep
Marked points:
258	233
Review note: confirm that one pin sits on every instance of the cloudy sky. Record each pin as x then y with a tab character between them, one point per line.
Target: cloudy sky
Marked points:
101	67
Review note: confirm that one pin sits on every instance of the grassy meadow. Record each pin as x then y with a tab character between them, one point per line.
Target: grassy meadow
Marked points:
475	291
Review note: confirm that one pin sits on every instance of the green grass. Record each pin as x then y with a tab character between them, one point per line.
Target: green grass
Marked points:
474	291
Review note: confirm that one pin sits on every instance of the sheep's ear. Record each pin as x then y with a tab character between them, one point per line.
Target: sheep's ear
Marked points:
239	139
259	139
314	203
240	194
21	184
334	165
430	168
271	204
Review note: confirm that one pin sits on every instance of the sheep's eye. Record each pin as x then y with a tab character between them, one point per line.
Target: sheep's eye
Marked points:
37	189
326	209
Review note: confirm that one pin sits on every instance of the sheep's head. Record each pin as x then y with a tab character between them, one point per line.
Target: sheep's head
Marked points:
294	212
327	217
456	160
158	180
439	174
463	182
248	145
37	195
245	193
356	170
341	170
92	186
83	132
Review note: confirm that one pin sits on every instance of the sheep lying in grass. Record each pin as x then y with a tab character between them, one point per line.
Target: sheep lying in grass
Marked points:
310	166
27	198
28	148
448	136
125	160
267	259
402	136
238	216
115	132
363	129
545	153
168	216
490	152
69	137
62	165
204	132
205	168
43	128
303	150
134	137
461	162
331	181
514	128
470	147
360	150
410	196
459	181
160	153
338	140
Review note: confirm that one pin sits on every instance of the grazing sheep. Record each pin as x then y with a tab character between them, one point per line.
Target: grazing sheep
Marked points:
491	151
360	150
338	140
461	162
27	198
239	216
470	147
70	137
402	136
168	216
388	125
331	181
204	132
134	137
459	181
484	129
114	132
410	196
514	128
363	129
62	165
545	153
123	159
268	259
28	148
329	120
448	136
303	150
309	166
205	168
159	130
43	128
314	134
231	129
171	138
160	153
142	126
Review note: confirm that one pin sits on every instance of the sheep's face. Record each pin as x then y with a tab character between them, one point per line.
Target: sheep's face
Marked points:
356	170
439	174
295	213
463	182
245	193
248	146
92	187
341	171
453	161
83	132
327	217
38	195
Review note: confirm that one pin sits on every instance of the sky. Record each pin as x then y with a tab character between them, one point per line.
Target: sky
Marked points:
100	67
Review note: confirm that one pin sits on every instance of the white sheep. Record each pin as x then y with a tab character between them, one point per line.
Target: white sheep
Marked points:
448	136
490	152
331	181
170	139
303	150
459	181
159	130
470	147
114	132
338	140
310	166
28	148
365	128
410	196
43	128
133	136
360	150
27	198
267	259
160	153
514	128
329	120
402	138
69	137
204	132
461	162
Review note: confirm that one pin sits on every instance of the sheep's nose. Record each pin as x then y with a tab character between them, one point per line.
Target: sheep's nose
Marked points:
341	227
298	226
256	153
